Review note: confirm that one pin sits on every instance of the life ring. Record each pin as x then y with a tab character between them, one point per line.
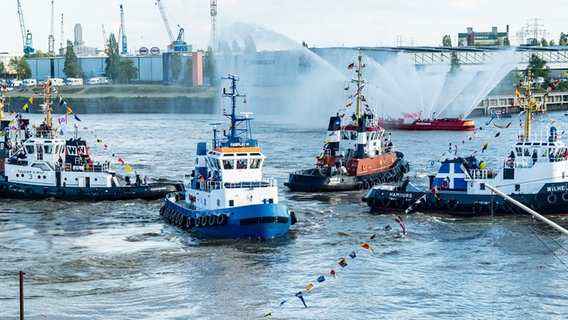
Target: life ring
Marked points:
552	198
197	222
476	207
221	219
565	196
510	163
367	185
371	202
212	220
452	205
182	220
445	185
29	192
536	204
400	202
190	223
385	202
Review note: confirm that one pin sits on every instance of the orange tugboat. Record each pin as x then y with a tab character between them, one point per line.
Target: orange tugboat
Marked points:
356	155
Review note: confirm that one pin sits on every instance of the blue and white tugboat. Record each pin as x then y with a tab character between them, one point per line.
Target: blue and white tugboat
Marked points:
37	163
535	173
226	195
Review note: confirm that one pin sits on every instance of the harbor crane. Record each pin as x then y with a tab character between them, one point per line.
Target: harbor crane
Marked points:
176	44
26	34
124	43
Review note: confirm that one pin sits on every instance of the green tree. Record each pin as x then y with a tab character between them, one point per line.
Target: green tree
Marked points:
21	67
2	69
40	54
534	42
506	42
552	43
563	39
126	71
543	42
113	58
447	41
538	67
72	68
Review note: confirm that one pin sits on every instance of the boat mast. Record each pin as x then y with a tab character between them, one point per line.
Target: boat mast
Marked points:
530	107
47	104
237	137
361	135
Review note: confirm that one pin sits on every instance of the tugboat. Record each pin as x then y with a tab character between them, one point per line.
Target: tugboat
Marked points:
226	195
35	163
356	155
534	174
416	123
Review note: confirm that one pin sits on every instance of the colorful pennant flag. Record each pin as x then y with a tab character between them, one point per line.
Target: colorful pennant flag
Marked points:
26	108
301	297
69	111
120	160
401	223
321	279
353	255
31	100
351	66
128	168
309	287
365	245
343	263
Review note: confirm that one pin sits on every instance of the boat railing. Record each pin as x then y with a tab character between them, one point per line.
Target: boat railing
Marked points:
213	185
482	173
88	167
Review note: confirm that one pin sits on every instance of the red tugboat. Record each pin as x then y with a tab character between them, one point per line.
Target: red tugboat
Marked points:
356	155
414	122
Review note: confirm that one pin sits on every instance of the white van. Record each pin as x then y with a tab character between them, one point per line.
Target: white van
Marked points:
94	81
74	82
29	82
57	82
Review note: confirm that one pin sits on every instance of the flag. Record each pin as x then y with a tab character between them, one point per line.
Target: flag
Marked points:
106	146
69	111
401	223
351	66
267	315
31	100
61	101
299	295
332	272
120	160
62	120
77	118
388	227
373	236
503	126
353	255
435	192
485	145
518	92
497	134
26	108
343	263
321	279
368	247
245	100
99	140
128	168
309	287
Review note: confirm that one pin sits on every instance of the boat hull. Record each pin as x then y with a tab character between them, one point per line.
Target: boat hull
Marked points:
153	191
551	199
258	221
445	124
313	180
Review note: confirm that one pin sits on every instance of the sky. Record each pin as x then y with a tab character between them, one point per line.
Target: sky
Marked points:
320	23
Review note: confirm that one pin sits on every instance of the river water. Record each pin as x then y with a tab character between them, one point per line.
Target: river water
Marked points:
120	260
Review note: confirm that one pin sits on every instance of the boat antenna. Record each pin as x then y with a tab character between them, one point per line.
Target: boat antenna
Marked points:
47	105
234	136
359	121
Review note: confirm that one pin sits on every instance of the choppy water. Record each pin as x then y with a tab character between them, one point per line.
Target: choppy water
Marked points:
119	260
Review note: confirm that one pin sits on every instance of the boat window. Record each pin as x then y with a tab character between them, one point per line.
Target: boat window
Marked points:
229	155
30	149
345	135
255	154
41	166
255	163
519	151
242	154
527	153
241	163
48	149
353	135
228	164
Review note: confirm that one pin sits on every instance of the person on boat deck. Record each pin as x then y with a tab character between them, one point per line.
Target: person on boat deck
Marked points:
138	180
60	161
534	157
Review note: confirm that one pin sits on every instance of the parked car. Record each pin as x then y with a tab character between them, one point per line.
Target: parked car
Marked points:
74	82
94	81
29	82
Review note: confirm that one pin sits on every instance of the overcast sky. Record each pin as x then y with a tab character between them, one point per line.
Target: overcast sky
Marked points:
320	23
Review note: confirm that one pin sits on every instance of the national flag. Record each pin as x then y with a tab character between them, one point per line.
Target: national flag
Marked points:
343	263
128	168
62	120
321	279
309	287
31	100
485	145
435	192
353	255
120	160
26	108
69	111
351	66
299	295
367	246
401	223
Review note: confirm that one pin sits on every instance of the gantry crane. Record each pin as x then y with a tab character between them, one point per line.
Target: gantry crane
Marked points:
124	44
176	44
26	34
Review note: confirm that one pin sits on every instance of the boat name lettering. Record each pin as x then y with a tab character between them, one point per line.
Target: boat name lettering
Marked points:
556	188
26	171
400	195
